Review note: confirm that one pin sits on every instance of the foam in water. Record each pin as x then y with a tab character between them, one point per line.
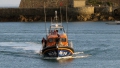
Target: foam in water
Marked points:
80	55
75	55
23	45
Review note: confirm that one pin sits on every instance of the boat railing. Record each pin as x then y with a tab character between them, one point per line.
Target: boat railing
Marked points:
70	44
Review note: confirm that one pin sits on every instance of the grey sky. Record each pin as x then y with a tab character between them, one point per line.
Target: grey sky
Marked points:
9	3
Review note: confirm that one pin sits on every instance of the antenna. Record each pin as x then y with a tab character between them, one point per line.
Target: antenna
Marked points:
61	15
45	17
51	20
56	15
66	19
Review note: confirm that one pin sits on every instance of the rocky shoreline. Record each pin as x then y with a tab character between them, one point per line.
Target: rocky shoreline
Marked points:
93	17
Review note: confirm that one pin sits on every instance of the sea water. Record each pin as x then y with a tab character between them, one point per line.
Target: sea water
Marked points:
96	45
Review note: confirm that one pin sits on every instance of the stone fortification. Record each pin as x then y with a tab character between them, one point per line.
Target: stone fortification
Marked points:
85	13
33	14
86	10
40	3
35	11
37	14
103	9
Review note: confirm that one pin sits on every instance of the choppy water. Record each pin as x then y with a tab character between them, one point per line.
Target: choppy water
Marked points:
96	45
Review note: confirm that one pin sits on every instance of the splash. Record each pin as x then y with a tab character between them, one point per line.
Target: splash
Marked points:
80	55
58	58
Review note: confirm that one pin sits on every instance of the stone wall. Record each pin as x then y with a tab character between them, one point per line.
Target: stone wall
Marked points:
49	11
24	14
85	10
84	13
74	14
40	3
103	9
32	11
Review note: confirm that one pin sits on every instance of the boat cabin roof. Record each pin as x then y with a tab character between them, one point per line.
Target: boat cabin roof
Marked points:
56	26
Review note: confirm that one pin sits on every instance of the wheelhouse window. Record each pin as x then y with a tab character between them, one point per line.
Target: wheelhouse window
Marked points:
63	39
51	40
56	39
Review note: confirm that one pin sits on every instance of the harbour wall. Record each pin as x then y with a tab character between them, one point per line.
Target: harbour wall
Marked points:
74	14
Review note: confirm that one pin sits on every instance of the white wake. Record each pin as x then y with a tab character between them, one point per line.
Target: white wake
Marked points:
23	45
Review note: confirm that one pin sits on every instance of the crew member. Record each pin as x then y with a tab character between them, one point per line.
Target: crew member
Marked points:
44	42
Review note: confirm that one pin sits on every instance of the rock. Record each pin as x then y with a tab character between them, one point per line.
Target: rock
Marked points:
110	18
85	19
79	18
30	20
102	17
95	19
97	14
23	19
36	18
88	17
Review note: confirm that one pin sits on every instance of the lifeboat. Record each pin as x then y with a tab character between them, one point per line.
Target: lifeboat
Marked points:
56	42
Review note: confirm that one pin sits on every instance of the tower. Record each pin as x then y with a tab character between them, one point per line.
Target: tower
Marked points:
40	3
